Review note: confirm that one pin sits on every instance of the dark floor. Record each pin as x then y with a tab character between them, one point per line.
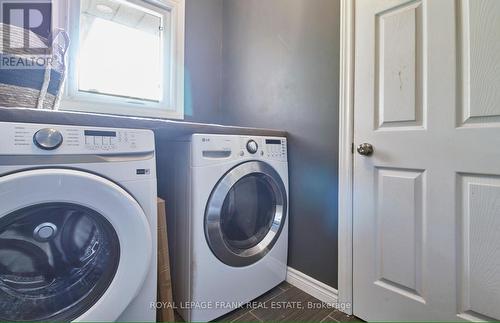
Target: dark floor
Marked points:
286	303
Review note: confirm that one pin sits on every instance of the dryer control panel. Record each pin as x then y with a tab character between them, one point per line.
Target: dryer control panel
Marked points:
264	147
29	139
208	149
275	148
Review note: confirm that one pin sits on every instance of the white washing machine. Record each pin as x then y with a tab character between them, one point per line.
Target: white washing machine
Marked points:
77	223
229	229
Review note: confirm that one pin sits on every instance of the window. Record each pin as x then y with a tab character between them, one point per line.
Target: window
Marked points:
126	57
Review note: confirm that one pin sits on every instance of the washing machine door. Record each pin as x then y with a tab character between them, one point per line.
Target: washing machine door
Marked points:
73	247
246	213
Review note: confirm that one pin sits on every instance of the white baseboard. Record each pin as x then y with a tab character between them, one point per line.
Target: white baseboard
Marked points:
313	287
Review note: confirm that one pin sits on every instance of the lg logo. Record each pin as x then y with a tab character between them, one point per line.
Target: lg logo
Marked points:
27	26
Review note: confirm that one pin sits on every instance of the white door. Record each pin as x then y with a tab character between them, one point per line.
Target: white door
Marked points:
427	201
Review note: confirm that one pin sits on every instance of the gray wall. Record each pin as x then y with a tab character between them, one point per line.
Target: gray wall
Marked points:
203	60
281	71
279	60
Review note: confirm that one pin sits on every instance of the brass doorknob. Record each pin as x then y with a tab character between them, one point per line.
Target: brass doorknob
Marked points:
365	149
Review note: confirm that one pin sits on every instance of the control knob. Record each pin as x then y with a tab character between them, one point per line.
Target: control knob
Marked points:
48	139
252	146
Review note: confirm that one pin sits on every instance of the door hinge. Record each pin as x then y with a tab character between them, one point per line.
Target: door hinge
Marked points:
352	148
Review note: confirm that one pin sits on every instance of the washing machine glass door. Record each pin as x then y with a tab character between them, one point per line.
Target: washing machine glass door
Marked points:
245	213
63	246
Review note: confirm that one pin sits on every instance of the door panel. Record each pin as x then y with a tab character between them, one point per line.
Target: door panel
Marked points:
480	23
399	66
399	230
480	246
427	202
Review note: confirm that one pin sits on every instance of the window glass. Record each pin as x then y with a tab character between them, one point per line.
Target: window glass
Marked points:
248	212
56	261
120	50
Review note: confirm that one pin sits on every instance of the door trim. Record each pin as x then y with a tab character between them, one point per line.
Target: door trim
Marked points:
346	147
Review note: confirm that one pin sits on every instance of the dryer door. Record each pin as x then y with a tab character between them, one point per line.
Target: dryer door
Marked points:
246	213
73	246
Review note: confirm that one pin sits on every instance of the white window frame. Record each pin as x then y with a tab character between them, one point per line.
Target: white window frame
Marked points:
67	13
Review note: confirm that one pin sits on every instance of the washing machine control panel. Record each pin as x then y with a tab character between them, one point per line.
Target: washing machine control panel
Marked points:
25	139
104	140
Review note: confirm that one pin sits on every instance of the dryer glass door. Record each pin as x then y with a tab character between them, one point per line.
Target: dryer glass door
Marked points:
73	246
246	213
